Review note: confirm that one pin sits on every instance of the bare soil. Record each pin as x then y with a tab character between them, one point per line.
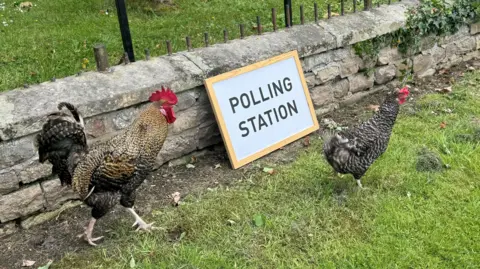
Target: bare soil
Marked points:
55	238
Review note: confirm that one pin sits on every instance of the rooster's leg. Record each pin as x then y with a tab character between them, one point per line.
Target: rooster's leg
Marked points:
127	200
359	184
87	235
142	225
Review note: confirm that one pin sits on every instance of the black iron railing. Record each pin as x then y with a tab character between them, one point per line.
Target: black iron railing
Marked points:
337	9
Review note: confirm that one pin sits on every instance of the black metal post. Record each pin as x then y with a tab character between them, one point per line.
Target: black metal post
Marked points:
125	29
147	54
302	15
225	35
259	26
274	19
288	19
289	4
242	31
189	43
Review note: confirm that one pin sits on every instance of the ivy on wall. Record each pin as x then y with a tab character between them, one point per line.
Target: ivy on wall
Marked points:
430	18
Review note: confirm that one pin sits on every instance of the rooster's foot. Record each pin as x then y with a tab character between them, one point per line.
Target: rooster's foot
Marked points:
144	226
87	235
89	238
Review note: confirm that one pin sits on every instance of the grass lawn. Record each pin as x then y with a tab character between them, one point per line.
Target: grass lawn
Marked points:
53	37
304	217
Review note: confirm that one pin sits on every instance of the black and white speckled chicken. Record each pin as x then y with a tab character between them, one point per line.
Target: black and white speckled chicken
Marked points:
110	172
353	151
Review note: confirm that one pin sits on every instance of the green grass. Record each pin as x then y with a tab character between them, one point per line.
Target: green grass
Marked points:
53	37
405	219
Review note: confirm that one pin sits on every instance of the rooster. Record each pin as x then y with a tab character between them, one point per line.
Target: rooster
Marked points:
109	172
353	151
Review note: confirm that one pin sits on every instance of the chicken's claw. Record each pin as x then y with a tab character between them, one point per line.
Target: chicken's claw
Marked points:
144	226
87	234
89	238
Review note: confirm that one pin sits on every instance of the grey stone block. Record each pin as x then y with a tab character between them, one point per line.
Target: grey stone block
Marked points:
21	203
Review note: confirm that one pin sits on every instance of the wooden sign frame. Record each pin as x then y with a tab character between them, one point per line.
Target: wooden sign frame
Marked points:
220	119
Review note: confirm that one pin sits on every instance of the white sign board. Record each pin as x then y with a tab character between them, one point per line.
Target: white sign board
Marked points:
262	107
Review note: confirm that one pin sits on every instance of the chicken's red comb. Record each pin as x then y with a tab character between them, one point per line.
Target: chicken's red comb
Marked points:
166	95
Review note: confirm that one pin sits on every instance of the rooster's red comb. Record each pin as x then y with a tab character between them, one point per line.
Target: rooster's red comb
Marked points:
166	95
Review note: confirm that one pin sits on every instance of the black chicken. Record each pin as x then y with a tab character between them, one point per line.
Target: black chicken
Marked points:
353	151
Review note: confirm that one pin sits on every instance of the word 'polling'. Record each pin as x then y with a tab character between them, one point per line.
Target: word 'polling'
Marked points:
270	116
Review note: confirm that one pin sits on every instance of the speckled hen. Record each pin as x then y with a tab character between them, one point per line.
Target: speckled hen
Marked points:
109	172
353	151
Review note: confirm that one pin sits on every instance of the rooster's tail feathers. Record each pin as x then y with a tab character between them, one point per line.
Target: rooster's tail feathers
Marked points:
62	135
76	115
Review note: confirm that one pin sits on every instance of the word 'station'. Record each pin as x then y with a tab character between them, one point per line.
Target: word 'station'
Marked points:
262	107
270	116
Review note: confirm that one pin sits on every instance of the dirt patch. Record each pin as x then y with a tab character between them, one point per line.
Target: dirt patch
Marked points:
57	237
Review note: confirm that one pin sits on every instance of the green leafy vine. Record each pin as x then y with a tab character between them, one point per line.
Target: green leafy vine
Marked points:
430	18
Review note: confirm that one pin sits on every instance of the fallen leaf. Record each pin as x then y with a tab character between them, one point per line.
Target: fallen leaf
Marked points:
28	263
443	125
193	159
443	71
268	170
46	266
374	107
26	4
132	263
190	166
217	166
259	220
306	141
230	222
175	198
444	90
332	13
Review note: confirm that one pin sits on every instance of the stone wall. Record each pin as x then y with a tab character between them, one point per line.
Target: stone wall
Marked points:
111	100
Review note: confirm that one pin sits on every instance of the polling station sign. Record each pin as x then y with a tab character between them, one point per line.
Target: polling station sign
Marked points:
262	107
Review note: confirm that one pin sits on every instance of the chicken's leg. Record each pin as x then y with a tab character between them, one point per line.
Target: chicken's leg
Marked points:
87	235
359	183
142	225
